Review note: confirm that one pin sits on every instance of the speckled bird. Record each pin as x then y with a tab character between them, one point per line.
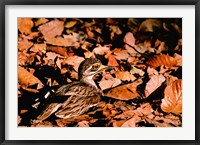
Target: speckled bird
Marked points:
80	95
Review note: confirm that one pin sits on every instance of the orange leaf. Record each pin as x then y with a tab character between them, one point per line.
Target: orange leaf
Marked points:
162	59
26	79
112	61
24	44
25	25
129	123
41	21
125	92
154	83
59	50
110	83
59	41
125	76
172	101
121	54
52	29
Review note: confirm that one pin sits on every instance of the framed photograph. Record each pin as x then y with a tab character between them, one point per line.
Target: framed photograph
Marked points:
100	72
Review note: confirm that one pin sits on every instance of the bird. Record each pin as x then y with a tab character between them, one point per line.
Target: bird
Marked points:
77	97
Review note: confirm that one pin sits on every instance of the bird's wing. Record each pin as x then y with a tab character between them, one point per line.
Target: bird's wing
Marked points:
50	109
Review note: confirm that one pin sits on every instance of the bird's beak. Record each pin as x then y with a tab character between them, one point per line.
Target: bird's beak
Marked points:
104	67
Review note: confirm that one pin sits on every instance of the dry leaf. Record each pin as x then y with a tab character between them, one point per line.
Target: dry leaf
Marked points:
59	50
25	25
59	41
124	92
52	29
110	83
121	54
83	124
22	58
74	61
150	25
41	21
135	70
129	123
70	24
162	59
125	76
172	101
130	39
18	119
112	61
178	58
24	44
154	83
26	79
101	50
40	48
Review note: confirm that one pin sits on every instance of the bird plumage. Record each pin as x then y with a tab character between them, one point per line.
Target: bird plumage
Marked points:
78	96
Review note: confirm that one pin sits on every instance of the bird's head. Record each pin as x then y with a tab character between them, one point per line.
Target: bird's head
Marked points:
88	68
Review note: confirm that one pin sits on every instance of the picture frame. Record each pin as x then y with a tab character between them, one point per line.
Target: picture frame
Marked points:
3	5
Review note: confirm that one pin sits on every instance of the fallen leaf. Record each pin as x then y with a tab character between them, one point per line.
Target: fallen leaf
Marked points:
18	119
70	24
74	61
150	25
52	29
178	59
59	50
83	124
130	40
25	25
129	123
112	61
26	79
110	83
154	83
41	21
124	92
118	123
24	44
22	58
59	41
172	101
125	76
135	70
101	50
40	48
161	59
121	54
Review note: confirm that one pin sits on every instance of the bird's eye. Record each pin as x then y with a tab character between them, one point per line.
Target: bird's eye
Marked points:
95	67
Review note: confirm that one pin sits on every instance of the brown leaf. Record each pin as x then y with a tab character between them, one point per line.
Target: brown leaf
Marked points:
83	124
125	76
178	58
118	123
110	83
162	59
101	50
22	58
172	101
40	48
154	83
130	39
150	25
124	92
24	44
26	79
74	61
52	29
18	119
129	123
112	61
41	21
59	41
59	50
25	25
70	24
121	54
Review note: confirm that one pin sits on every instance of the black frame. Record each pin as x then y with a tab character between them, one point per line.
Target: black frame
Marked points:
3	3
